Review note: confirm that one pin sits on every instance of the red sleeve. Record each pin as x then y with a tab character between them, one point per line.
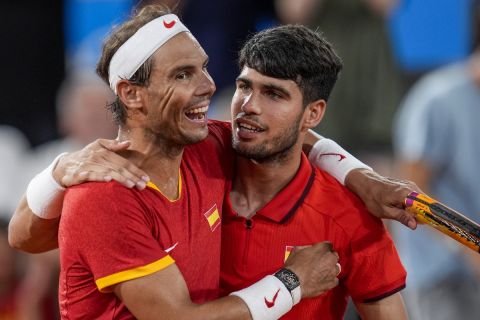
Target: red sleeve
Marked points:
375	269
107	227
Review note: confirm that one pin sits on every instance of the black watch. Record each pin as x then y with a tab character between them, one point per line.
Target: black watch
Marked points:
288	278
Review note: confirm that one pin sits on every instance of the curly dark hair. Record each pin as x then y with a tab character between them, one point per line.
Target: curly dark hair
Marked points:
294	52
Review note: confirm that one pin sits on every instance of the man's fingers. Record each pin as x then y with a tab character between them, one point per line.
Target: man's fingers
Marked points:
114	162
129	183
298	248
326	244
114	145
129	171
402	216
101	174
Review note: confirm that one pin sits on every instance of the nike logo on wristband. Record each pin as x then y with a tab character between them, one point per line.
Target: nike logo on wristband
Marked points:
170	24
334	154
270	304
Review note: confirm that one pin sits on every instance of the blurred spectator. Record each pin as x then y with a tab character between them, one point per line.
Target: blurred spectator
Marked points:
82	116
370	87
437	143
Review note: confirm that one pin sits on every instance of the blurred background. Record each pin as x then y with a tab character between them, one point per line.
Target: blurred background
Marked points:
407	103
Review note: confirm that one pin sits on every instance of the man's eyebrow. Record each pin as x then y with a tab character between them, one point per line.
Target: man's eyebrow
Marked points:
266	86
271	86
245	80
181	68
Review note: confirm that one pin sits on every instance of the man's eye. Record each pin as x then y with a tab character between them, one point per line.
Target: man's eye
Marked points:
273	95
242	86
182	76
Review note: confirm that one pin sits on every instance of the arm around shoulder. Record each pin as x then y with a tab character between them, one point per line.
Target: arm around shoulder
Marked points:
164	295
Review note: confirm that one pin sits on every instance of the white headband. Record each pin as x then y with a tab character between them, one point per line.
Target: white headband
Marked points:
139	47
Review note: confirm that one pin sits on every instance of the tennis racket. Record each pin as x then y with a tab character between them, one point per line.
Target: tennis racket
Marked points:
446	220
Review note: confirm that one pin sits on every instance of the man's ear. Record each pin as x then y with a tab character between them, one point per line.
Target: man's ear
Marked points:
313	114
131	95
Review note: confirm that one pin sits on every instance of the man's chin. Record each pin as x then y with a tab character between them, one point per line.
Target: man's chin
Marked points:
196	137
248	152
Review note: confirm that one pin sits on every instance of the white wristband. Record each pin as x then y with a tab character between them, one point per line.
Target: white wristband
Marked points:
267	299
43	190
327	155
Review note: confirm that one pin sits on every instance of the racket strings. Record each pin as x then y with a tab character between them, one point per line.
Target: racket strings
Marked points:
451	227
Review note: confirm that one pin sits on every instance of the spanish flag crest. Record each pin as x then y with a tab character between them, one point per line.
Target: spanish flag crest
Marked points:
213	217
288	250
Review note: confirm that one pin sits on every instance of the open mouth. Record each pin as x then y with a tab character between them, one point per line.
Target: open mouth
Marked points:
249	128
197	114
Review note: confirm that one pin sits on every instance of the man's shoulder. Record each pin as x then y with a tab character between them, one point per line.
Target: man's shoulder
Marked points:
98	189
100	197
334	201
329	194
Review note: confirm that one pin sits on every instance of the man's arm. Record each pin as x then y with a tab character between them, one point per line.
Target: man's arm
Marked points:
36	232
30	233
389	308
98	162
384	197
164	294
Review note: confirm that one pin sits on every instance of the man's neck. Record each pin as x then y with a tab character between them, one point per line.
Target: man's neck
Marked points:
257	183
159	159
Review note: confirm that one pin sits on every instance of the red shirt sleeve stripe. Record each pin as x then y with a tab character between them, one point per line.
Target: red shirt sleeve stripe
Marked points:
104	284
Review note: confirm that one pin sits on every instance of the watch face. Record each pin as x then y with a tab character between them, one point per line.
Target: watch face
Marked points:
289	279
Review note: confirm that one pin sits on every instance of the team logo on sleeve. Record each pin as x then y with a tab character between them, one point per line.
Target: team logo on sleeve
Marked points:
213	217
288	250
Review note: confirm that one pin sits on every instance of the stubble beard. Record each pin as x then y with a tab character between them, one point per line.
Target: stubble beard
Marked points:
281	146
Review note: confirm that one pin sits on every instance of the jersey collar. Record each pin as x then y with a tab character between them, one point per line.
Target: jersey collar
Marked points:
281	208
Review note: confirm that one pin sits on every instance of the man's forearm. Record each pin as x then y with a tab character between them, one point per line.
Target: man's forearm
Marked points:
30	233
227	308
389	308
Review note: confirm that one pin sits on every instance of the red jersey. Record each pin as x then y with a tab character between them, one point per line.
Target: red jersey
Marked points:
109	234
313	207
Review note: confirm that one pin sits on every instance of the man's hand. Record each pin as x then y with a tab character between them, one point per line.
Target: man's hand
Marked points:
98	161
384	197
316	268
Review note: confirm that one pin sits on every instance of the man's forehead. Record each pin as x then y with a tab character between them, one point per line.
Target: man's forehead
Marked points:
181	47
258	78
